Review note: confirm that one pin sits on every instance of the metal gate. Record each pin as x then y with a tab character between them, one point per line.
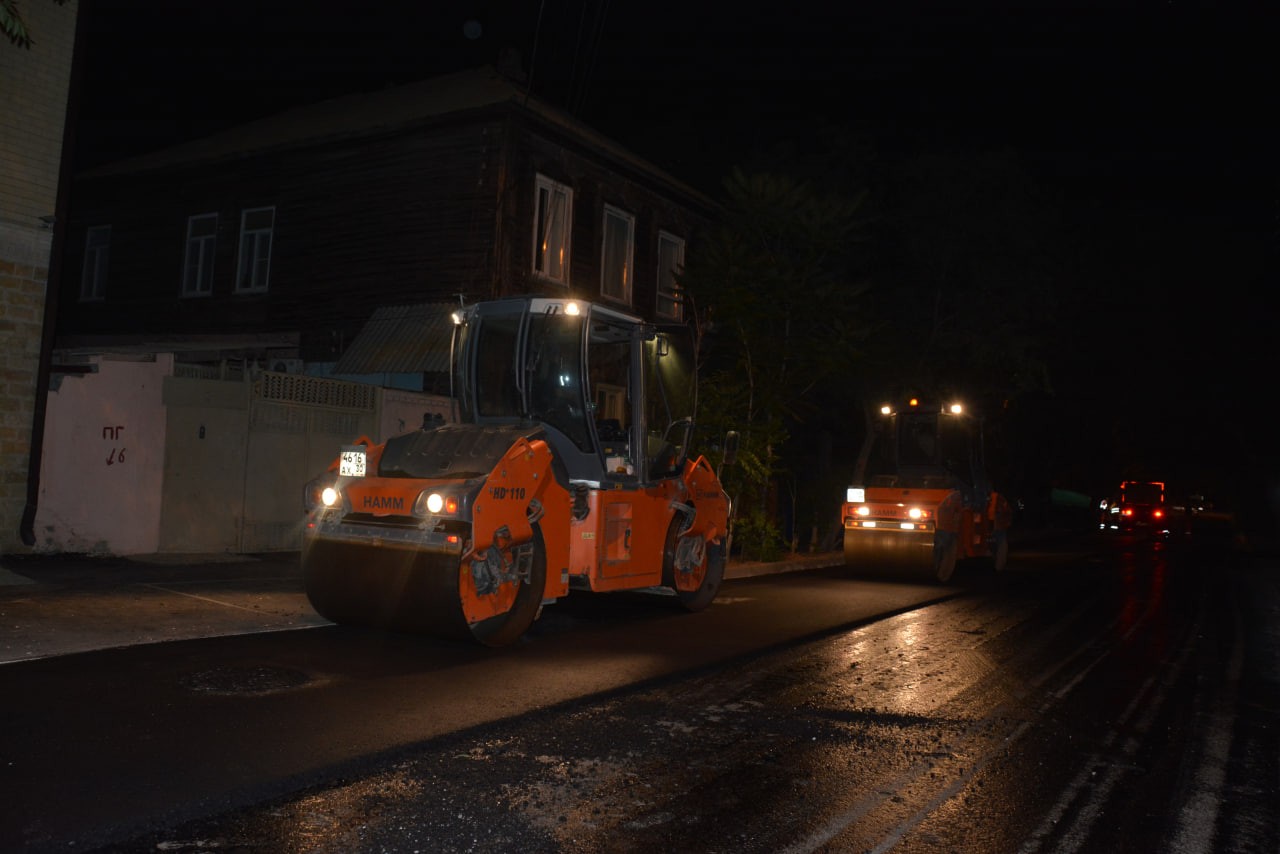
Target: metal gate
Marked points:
296	424
238	451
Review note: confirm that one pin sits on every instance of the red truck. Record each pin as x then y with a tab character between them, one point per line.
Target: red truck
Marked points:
1139	505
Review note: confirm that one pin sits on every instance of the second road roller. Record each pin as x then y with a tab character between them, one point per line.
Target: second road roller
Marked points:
922	499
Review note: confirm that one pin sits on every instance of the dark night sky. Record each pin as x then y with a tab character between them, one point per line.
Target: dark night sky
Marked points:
1171	104
1153	122
1144	90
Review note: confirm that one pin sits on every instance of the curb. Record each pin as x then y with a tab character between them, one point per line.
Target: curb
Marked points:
790	563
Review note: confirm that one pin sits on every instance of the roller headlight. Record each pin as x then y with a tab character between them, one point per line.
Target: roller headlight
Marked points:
435	504
321	493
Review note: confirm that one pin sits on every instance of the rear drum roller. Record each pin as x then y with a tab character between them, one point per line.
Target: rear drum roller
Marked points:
944	557
695	588
1000	551
516	602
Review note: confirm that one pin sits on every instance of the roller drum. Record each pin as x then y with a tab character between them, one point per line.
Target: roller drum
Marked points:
388	587
889	552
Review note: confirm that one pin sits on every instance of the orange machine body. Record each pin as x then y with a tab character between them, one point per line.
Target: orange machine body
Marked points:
928	504
469	529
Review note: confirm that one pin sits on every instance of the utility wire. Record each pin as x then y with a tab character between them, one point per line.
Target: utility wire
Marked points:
533	55
593	52
577	52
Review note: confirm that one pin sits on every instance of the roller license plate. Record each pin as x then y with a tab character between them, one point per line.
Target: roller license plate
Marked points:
351	461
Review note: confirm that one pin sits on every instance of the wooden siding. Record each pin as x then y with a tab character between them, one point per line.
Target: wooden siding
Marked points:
420	214
595	181
387	220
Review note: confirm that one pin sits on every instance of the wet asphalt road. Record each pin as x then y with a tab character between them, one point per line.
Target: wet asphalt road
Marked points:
1110	697
107	743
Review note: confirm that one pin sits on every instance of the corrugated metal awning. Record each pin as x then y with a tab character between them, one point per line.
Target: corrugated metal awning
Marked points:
401	339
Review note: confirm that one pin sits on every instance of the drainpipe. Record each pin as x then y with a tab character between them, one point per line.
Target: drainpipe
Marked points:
56	248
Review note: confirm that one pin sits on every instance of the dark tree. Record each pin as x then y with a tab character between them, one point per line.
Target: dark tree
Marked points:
14	27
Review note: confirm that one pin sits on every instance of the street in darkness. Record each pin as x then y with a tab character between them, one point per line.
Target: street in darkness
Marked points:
1103	694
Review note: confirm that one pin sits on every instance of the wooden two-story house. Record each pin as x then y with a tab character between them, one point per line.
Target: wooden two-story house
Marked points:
237	306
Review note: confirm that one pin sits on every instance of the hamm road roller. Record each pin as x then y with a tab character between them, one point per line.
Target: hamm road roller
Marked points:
570	466
923	500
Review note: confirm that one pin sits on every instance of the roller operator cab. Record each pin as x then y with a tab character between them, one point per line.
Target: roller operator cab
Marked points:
570	467
923	500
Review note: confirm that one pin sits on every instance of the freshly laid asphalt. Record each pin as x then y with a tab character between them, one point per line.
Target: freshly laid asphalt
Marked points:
56	604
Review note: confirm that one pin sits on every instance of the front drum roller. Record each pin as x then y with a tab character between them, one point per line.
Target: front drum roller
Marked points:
900	553
411	590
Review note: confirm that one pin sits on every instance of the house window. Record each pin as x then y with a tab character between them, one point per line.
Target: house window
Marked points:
97	251
197	267
553	222
670	265
256	225
616	254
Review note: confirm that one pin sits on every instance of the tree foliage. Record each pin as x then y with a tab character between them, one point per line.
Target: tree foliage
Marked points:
777	309
976	270
812	310
978	260
13	25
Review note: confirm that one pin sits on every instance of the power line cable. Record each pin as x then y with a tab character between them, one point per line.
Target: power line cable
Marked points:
533	54
593	52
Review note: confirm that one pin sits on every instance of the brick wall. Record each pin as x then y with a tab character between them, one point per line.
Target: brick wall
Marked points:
24	272
34	85
33	88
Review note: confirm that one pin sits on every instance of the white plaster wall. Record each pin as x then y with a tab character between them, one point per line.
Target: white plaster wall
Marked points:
103	462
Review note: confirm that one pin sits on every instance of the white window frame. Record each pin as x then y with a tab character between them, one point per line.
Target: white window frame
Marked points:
552	229
617	270
670	301
97	255
253	263
197	261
